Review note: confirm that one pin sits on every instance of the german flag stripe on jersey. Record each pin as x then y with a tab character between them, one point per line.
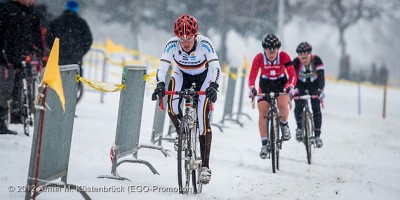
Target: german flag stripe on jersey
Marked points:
172	82
191	67
204	116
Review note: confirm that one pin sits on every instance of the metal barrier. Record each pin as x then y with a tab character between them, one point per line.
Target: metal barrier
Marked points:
129	122
230	97
241	96
159	120
93	62
51	142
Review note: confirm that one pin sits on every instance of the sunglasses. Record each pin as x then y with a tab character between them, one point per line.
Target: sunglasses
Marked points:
271	50
303	56
188	39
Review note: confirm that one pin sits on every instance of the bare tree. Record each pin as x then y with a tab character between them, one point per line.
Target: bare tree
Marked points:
342	15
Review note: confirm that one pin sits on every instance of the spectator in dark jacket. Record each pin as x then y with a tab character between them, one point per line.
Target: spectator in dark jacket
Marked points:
74	33
44	18
19	37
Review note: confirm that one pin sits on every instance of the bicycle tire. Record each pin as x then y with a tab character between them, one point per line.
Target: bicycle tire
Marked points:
180	142
278	141
308	135
191	157
197	186
273	140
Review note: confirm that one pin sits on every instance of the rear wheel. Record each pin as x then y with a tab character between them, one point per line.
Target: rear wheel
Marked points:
196	159
192	165
278	140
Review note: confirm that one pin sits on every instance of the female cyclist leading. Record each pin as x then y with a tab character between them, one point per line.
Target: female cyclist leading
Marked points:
196	62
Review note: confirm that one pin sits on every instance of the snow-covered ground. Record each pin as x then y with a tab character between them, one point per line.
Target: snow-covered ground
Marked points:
360	158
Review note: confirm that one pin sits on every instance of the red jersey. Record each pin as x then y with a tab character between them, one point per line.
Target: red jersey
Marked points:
272	70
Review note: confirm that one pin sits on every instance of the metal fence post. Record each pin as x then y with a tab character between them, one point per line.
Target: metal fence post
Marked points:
52	137
242	88
94	60
129	121
230	97
159	118
384	101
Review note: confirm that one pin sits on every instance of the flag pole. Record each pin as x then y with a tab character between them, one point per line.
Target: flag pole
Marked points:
42	95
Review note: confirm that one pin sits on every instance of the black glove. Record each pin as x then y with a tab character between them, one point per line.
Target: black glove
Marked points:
253	92
159	91
290	91
211	91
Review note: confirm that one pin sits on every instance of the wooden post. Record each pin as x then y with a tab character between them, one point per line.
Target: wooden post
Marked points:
359	98
384	101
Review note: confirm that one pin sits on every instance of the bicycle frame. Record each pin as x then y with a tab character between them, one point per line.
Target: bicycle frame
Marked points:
307	121
27	96
188	137
275	140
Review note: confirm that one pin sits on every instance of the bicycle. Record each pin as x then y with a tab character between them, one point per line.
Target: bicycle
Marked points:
27	94
188	143
307	122
275	139
30	73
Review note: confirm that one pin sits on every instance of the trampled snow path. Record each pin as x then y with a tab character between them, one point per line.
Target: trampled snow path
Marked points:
360	158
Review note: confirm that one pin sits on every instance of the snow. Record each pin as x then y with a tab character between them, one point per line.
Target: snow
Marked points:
360	158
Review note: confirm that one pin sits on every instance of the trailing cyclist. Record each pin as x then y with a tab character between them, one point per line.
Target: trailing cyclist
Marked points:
277	75
19	37
197	62
310	75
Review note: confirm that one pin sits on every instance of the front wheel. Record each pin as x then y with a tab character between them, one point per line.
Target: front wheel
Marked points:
308	135
274	143
183	162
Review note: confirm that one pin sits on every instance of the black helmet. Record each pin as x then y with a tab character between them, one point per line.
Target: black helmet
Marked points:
304	47
271	42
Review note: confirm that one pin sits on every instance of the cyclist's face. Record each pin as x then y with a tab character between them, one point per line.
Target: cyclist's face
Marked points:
271	54
187	43
305	58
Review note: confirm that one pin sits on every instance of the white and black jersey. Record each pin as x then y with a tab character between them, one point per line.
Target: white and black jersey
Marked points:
199	66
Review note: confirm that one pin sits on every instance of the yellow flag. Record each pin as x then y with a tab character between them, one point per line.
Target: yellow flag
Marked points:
52	76
111	47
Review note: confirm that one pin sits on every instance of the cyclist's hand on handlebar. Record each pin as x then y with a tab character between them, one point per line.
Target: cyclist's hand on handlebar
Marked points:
290	90
211	91
159	91
253	92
